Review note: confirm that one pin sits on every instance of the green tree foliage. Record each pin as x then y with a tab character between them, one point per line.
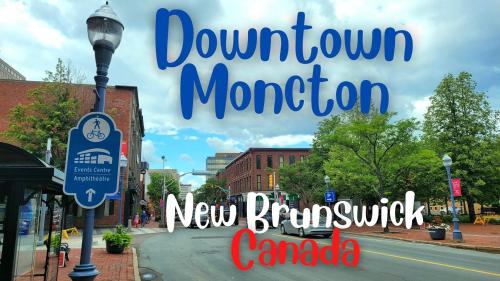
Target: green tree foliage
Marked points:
51	113
155	187
366	152
211	192
304	179
460	122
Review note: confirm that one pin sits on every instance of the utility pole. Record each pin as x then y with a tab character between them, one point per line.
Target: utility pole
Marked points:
41	225
162	213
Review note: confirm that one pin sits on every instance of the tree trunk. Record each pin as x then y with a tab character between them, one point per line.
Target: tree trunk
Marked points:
470	205
446	203
428	206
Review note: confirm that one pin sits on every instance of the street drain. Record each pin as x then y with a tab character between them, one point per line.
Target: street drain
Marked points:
147	274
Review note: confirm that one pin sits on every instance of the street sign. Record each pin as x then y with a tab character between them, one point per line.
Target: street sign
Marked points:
455	186
330	196
93	160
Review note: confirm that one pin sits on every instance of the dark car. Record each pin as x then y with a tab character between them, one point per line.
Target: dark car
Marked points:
226	216
203	220
268	217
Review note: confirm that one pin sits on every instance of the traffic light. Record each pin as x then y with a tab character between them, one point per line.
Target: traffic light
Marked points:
270	181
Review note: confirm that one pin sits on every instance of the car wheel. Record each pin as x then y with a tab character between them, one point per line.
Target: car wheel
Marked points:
208	226
327	235
301	232
283	231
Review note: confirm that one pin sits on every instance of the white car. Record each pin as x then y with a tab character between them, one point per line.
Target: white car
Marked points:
286	227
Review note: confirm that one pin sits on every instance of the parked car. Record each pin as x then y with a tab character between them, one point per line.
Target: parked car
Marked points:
226	217
286	227
268	217
203	220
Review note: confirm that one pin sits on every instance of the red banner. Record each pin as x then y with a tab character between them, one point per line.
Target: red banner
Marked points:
455	186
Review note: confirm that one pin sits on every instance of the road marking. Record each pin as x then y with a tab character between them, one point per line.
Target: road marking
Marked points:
410	259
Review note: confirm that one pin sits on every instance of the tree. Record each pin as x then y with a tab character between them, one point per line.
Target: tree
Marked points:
156	185
304	179
461	122
51	113
211	191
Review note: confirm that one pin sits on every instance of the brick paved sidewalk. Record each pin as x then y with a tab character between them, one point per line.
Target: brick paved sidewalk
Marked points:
113	267
476	237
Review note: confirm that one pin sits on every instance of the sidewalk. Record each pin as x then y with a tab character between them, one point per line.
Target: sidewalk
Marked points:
112	267
476	237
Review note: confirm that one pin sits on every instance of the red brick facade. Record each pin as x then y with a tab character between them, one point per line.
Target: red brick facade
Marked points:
244	173
122	104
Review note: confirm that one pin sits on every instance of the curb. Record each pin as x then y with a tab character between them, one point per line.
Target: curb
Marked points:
136	265
495	250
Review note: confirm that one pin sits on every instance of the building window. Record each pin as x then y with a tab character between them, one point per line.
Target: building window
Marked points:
282	161
291	159
257	162
258	182
111	209
301	158
270	161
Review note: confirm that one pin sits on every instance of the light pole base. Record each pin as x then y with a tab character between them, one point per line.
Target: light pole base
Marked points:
84	272
457	236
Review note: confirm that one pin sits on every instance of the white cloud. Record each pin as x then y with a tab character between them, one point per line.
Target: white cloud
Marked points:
420	107
220	145
148	151
185	157
286	140
192	138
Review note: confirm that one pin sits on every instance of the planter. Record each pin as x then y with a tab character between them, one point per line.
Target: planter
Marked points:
113	248
437	233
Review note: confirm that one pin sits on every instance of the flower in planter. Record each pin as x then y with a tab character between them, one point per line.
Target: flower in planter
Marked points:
119	239
439	226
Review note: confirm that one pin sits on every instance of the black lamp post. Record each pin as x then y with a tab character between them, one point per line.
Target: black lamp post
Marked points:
105	33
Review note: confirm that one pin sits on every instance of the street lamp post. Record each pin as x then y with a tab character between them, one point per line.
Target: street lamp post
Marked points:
123	166
162	211
105	33
457	235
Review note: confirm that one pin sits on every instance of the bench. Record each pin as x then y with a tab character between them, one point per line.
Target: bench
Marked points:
485	219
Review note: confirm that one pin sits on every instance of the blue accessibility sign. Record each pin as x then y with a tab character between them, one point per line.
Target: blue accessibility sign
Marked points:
93	160
330	196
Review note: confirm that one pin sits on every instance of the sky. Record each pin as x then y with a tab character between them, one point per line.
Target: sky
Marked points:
448	37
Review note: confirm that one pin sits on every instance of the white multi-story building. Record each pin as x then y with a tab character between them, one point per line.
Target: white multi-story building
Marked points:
184	190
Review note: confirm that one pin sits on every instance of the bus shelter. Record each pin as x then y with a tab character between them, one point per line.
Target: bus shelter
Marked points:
29	191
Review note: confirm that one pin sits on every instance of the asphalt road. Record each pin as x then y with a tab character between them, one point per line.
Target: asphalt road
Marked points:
193	254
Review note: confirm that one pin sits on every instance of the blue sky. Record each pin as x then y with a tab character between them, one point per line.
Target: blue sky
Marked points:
449	37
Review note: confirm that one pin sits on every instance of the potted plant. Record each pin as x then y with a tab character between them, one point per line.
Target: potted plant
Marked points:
117	241
438	231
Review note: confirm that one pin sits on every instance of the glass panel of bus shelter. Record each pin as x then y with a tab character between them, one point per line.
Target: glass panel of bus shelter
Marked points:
3	205
27	233
56	223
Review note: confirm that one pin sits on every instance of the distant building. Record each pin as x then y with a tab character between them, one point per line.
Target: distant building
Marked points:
255	169
184	190
219	162
173	172
7	72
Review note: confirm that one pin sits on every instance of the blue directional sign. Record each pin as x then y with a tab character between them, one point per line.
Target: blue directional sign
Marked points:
93	160
330	196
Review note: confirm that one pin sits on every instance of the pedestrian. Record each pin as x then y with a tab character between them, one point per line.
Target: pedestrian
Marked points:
144	218
135	223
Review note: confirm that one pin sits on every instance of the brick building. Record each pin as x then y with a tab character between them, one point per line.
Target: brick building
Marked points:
255	169
122	103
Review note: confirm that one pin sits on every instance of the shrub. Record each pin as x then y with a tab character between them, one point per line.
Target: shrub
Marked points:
119	237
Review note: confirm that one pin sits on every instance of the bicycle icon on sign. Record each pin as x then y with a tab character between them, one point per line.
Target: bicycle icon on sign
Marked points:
96	133
96	129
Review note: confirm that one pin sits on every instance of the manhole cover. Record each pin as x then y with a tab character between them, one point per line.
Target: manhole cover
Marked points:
148	277
147	274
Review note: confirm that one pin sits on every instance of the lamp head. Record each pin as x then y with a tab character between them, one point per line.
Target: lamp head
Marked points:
327	179
447	161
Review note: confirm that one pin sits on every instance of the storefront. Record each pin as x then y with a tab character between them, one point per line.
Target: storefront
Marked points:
26	182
